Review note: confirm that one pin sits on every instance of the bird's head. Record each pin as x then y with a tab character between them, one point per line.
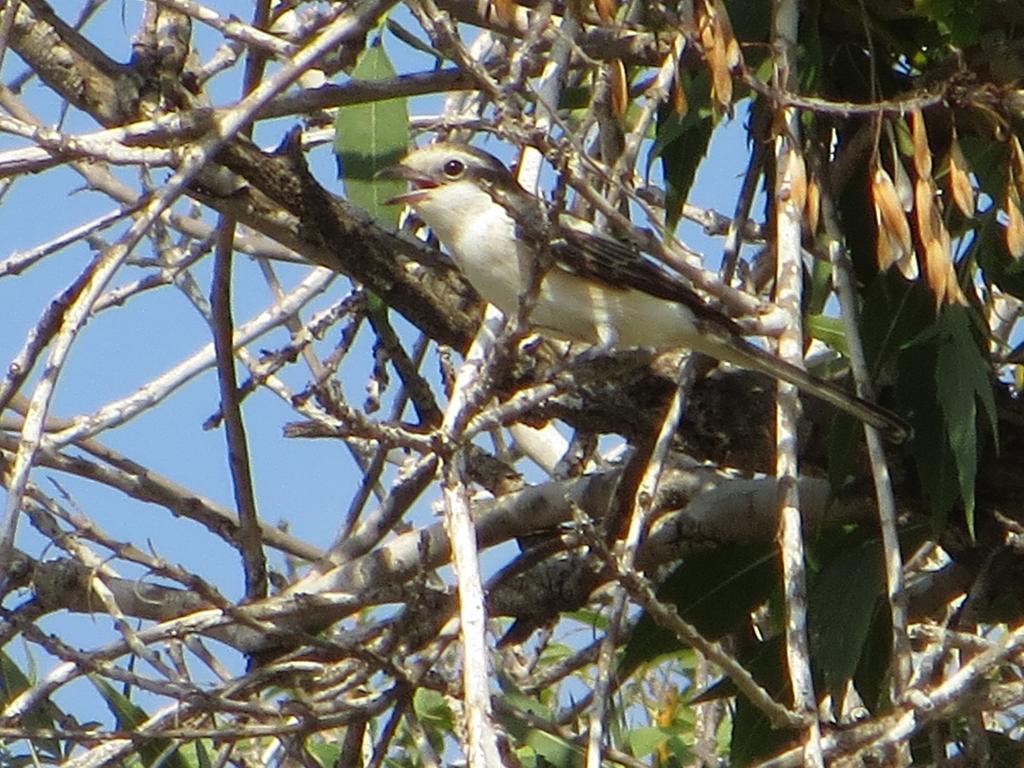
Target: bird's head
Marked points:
449	182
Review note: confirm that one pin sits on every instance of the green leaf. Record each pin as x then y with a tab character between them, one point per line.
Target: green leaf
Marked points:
872	674
844	439
988	161
942	373
681	142
751	23
959	19
371	137
550	747
819	289
40	717
956	385
679	753
433	711
962	379
554	652
752	735
645	739
129	715
203	759
840	617
12	678
196	754
714	590
893	316
324	753
575	97
828	330
917	395
589	617
154	753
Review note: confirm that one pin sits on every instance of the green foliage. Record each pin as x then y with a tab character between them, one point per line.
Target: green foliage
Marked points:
371	137
590	617
432	709
714	590
535	746
752	734
751	22
963	379
960	19
989	161
435	716
325	753
871	677
849	629
942	374
645	740
842	623
828	330
152	753
840	617
681	142
40	717
202	756
945	409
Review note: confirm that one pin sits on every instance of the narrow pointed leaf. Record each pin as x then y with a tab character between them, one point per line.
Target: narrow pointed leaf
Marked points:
371	137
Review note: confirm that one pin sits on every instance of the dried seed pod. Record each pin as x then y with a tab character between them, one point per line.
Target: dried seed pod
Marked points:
960	187
619	88
720	47
922	153
1014	222
796	177
889	210
812	208
936	243
679	102
606	10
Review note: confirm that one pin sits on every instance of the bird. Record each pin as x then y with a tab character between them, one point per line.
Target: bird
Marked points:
593	287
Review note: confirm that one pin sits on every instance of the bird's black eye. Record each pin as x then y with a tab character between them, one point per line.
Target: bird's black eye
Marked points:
453	168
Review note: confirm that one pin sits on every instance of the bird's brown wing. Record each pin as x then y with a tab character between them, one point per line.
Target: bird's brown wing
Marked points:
620	265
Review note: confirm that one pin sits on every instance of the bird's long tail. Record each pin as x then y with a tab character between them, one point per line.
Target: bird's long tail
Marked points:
741	352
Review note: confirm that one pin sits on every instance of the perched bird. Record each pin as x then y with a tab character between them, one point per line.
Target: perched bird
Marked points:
593	288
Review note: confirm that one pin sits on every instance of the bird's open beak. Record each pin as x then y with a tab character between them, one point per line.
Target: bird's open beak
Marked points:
420	184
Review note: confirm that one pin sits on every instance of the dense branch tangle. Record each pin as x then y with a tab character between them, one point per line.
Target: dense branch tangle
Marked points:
355	653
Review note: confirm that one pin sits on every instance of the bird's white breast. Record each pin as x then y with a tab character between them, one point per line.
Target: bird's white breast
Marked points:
482	240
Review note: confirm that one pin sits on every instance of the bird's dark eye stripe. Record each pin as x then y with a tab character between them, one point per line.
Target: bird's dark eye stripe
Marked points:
453	168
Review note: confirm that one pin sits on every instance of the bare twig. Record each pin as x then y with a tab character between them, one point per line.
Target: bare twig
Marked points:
790	192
